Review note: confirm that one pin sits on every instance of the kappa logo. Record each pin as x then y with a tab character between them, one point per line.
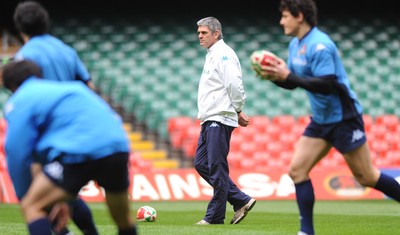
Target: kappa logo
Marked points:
55	170
320	47
8	108
357	135
214	124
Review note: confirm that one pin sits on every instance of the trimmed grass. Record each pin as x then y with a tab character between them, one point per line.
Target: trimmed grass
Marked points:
267	217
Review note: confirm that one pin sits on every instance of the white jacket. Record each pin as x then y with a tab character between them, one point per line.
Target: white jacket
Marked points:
220	92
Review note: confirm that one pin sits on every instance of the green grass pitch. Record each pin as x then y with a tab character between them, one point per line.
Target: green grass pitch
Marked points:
267	217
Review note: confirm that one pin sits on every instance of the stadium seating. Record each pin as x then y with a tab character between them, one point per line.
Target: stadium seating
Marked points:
177	129
153	72
144	152
272	143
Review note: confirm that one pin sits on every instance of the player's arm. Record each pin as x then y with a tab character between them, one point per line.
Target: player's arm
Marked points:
323	85
285	84
19	146
89	83
288	80
82	74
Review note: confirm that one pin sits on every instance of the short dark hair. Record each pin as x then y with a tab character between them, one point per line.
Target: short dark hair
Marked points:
31	18
307	7
17	71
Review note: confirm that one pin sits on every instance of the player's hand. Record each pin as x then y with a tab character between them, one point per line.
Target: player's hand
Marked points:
244	120
60	214
278	70
258	73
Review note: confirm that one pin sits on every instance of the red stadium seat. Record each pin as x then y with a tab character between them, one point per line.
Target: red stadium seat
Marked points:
395	145
247	163
285	122
377	131
393	157
289	139
272	130
248	148
189	144
247	132
189	148
393	139
177	127
382	161
261	155
368	121
276	163
304	120
262	138
286	156
236	140
3	163
234	159
274	148
298	130
259	122
390	121
3	126
379	147
179	123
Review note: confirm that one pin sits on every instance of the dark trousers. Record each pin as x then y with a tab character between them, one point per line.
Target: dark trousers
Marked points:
212	164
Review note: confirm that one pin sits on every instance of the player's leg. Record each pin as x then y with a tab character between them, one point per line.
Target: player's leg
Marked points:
360	163
119	207
112	173
82	217
36	167
80	212
307	153
42	194
59	215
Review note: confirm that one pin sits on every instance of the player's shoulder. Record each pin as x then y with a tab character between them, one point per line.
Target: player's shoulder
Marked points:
320	37
320	42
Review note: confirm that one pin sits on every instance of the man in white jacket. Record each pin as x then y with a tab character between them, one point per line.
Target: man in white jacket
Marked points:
221	98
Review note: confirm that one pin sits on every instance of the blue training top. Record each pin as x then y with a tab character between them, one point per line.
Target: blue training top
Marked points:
316	55
49	120
57	60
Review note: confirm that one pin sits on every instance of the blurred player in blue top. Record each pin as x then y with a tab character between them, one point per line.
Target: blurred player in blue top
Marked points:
314	64
75	134
57	60
60	62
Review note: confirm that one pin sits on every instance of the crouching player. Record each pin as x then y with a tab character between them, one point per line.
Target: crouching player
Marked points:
75	133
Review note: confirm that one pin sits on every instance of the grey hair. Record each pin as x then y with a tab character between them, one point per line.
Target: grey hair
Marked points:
212	23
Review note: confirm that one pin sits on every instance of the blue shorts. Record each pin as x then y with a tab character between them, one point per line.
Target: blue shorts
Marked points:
345	136
110	172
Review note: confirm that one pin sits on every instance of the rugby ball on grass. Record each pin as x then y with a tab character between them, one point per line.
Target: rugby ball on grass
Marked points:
146	214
